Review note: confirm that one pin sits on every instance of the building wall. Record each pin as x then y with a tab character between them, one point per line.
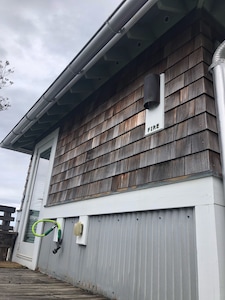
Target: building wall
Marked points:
139	255
146	239
203	238
102	147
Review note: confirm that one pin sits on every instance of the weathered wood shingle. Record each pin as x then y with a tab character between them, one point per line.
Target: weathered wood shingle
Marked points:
102	148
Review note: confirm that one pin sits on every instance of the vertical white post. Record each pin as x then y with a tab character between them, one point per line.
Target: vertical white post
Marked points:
210	242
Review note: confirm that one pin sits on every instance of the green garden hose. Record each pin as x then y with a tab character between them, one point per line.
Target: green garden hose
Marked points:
56	224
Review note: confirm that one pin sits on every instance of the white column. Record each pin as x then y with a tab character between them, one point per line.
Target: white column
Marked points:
210	242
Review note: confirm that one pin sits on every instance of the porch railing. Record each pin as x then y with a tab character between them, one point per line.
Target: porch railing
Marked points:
7	235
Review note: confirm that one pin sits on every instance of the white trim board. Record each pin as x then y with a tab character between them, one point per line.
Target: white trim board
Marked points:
202	191
210	245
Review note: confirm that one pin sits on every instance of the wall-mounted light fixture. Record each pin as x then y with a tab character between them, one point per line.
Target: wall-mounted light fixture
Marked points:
80	230
154	86
151	91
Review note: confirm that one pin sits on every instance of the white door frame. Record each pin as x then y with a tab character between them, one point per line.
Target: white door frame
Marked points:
27	253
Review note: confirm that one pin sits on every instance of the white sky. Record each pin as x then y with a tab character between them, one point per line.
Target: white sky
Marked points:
39	38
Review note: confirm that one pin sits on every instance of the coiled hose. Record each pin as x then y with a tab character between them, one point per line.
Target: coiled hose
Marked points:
56	225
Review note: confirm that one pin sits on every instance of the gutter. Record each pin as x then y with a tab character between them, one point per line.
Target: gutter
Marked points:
218	71
125	16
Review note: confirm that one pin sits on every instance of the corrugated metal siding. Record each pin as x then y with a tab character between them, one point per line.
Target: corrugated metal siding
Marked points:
135	256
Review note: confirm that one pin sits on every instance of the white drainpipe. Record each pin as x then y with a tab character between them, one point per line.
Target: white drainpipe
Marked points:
218	71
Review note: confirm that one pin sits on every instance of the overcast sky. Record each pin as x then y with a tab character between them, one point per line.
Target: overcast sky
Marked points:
39	38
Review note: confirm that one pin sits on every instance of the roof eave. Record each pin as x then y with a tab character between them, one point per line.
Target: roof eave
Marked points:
80	78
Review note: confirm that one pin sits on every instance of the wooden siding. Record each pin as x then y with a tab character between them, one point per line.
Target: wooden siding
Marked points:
102	148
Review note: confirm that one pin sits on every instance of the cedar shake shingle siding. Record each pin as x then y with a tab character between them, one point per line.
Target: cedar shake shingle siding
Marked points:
102	147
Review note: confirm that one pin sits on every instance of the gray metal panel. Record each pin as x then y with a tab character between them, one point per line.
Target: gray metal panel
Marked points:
135	256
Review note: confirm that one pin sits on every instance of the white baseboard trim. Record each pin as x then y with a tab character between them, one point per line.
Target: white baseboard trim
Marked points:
202	191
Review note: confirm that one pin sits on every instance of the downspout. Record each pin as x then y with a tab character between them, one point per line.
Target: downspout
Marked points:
218	71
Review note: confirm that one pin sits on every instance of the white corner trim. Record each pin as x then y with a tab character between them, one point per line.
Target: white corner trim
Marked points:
210	243
183	194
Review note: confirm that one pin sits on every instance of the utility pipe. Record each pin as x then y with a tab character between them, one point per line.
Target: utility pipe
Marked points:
218	71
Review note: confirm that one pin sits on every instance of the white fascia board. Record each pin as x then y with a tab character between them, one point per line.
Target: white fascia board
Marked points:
202	191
